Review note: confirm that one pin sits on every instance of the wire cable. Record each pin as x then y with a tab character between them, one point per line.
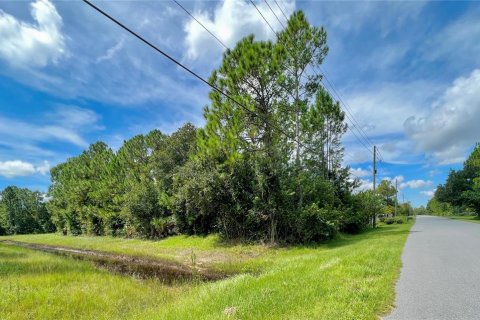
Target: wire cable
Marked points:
346	114
193	73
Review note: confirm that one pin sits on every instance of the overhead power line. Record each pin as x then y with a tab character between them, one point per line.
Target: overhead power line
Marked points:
284	15
193	73
226	47
348	114
351	117
200	23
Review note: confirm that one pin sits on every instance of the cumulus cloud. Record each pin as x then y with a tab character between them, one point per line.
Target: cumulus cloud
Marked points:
231	20
412	184
382	109
399	179
428	193
44	168
359	172
18	168
26	44
452	126
415	184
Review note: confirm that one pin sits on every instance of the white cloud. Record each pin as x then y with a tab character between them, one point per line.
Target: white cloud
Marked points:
36	44
428	193
43	168
457	42
111	51
359	172
231	20
24	131
382	109
412	184
399	179
387	16
18	168
452	126
415	184
364	185
67	124
74	117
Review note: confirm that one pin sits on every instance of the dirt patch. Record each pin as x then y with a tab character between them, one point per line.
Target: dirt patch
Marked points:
166	271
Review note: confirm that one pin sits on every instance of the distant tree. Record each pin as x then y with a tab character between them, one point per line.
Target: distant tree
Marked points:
438	208
124	193
421	211
461	191
23	211
387	191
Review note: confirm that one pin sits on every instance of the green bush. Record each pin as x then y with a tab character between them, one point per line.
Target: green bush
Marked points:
399	220
163	227
318	224
363	206
389	221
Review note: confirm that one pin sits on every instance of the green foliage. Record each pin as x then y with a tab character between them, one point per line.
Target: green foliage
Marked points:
317	224
390	220
421	211
437	208
461	192
284	282
198	194
359	216
266	166
23	211
388	192
125	193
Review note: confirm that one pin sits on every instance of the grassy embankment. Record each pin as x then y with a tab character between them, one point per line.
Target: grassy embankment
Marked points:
351	277
474	219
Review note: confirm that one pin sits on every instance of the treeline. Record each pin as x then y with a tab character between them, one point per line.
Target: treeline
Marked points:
389	195
460	195
23	211
266	166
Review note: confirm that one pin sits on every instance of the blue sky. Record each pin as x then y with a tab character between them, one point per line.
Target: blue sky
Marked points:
409	71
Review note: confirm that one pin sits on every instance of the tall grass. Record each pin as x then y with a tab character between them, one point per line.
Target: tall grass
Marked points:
351	277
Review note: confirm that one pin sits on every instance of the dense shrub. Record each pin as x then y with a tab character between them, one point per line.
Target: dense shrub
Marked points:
317	224
358	216
390	221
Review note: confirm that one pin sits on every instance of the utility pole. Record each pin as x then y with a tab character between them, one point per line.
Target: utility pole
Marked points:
374	180
396	197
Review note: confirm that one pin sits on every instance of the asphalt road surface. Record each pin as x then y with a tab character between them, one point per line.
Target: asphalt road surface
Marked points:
440	277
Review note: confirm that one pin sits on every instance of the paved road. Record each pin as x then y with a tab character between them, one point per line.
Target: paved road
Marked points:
440	278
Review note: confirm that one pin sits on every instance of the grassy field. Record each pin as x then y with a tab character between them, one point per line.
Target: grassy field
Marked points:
351	277
473	219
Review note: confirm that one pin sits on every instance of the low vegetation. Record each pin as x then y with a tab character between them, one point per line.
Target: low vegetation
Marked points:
474	219
350	277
